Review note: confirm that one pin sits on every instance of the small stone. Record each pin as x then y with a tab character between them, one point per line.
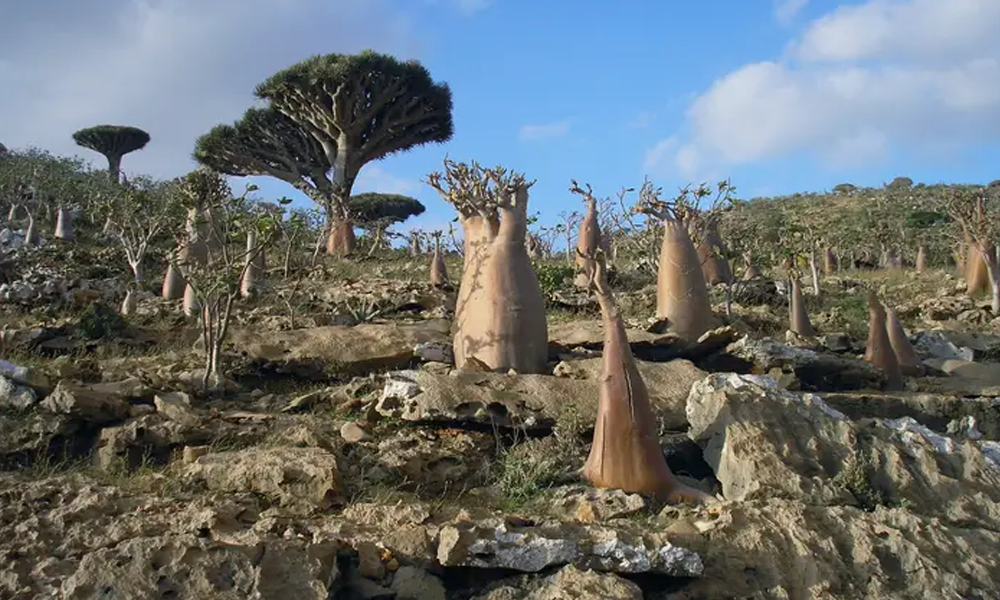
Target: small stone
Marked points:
411	583
370	563
193	453
352	432
176	406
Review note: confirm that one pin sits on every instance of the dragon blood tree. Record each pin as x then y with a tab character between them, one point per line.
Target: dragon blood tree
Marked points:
114	142
500	311
626	452
589	238
681	292
358	109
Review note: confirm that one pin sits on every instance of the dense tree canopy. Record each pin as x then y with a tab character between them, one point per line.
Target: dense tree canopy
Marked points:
385	209
114	142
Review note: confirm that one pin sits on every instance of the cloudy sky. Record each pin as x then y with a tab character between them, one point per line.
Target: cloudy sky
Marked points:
779	95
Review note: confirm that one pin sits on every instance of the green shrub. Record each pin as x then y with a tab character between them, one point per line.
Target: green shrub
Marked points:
554	276
100	321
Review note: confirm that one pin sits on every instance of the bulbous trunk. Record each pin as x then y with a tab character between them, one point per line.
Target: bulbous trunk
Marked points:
587	241
879	351
921	259
477	235
129	304
64	225
254	273
750	270
626	453
798	317
681	293
503	324
439	272
977	277
173	281
714	266
341	241
829	262
906	356
192	307
416	249
31	233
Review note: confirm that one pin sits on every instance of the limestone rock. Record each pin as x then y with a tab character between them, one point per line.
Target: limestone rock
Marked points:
288	475
816	371
81	402
356	349
176	406
15	396
411	583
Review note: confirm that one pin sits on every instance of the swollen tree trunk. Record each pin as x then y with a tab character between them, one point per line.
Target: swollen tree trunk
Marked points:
993	276
714	266
191	305
587	242
829	262
64	225
798	317
750	270
626	453
681	294
341	240
478	233
173	283
879	351
977	277
129	304
439	272
921	259
906	356
31	233
504	324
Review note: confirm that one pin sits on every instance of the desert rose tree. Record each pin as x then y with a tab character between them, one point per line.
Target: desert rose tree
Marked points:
214	279
359	108
626	452
114	142
500	311
681	293
138	211
977	211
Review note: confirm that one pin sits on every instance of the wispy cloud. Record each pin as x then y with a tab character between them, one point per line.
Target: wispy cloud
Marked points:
374	178
642	120
785	11
544	131
472	6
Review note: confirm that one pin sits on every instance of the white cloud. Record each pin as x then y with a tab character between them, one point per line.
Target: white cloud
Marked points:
545	131
374	178
785	11
859	84
172	67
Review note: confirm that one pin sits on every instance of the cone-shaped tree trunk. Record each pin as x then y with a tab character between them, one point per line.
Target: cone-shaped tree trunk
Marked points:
750	270
977	277
64	225
798	317
129	304
626	453
31	233
416	248
906	356
478	233
879	351
191	306
173	283
829	262
253	275
439	272
714	266
921	259
587	242
341	241
503	322
681	294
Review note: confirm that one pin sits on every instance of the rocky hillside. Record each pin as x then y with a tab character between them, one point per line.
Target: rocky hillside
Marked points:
349	460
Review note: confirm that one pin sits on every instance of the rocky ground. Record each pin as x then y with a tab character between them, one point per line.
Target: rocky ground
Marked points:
350	460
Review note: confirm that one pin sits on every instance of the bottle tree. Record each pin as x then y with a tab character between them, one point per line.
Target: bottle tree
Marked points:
114	142
359	108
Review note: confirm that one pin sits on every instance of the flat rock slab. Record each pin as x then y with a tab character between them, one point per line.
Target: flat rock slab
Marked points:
645	345
350	349
933	410
533	401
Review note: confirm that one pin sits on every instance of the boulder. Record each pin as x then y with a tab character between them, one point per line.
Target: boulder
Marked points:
84	403
815	371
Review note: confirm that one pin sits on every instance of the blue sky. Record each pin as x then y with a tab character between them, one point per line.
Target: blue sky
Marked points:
778	95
